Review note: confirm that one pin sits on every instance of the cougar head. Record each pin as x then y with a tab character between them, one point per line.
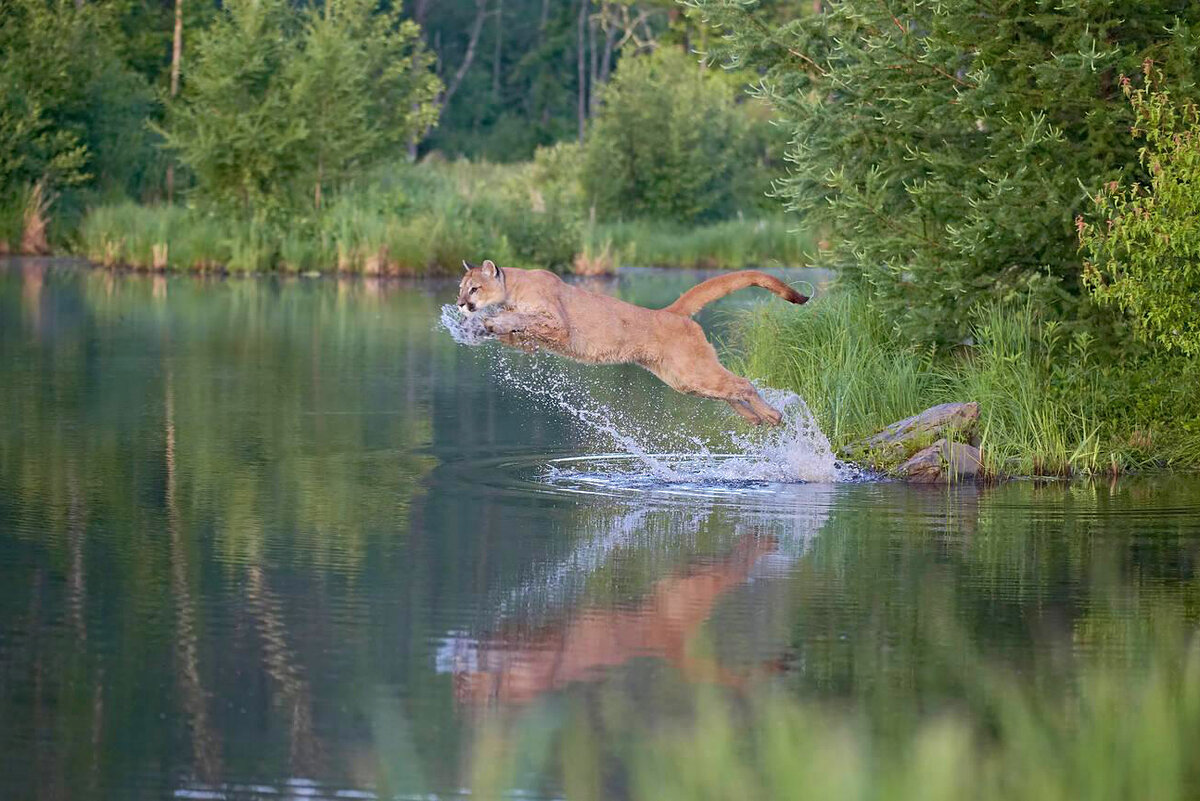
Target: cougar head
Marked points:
481	287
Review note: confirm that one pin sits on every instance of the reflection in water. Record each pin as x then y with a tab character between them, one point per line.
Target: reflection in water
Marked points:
517	666
266	538
205	748
520	661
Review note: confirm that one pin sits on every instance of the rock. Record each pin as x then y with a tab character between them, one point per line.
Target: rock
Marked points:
943	462
894	444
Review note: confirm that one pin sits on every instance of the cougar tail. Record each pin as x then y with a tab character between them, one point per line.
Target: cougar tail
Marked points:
706	292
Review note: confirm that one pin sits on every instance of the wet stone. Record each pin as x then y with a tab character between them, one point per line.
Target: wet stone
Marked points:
902	448
943	462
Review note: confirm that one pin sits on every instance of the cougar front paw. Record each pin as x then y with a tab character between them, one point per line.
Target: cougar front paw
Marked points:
500	328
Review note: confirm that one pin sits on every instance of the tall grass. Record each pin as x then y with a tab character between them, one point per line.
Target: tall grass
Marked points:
417	220
724	245
12	210
1050	404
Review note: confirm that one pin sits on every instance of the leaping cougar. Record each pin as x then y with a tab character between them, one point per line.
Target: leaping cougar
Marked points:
536	309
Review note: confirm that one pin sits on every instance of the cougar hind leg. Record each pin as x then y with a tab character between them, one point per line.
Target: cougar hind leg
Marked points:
763	409
749	404
743	408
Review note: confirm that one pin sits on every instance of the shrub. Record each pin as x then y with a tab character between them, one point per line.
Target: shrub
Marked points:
669	141
72	115
949	146
281	105
1143	255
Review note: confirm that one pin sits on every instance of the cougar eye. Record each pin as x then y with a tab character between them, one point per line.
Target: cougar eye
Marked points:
474	289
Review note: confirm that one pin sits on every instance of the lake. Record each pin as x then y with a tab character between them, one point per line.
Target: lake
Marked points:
272	537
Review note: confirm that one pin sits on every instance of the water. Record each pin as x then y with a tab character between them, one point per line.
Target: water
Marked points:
286	538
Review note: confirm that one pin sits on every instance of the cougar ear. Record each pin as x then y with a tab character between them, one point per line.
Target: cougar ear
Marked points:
490	269
468	266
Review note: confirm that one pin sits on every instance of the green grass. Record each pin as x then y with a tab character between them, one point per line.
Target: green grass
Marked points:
12	211
731	244
1051	404
423	220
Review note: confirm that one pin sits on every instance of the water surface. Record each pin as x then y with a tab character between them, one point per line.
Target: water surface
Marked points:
266	537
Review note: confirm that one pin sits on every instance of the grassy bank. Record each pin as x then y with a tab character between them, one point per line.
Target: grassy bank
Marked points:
425	219
1051	403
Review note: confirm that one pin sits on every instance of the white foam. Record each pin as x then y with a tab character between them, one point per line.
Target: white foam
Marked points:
796	451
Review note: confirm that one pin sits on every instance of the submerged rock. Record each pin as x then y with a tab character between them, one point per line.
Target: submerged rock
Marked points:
938	445
943	462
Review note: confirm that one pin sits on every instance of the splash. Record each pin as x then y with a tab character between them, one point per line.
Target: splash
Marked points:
796	451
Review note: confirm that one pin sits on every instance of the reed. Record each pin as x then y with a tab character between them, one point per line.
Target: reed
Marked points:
1052	403
731	244
425	219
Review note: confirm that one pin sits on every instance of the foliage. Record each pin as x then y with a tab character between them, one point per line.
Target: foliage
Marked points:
278	102
1143	254
948	146
71	113
670	142
362	85
1050	404
414	220
522	88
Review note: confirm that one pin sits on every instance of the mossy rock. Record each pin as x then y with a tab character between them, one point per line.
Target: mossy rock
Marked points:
897	444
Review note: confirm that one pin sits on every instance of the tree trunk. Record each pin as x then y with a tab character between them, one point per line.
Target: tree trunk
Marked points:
496	53
176	56
469	56
594	64
420	9
610	41
317	188
582	62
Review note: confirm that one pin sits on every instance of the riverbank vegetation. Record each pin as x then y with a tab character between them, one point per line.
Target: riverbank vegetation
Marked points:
322	149
1053	401
1010	206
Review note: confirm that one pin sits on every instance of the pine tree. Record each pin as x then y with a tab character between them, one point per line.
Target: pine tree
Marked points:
947	145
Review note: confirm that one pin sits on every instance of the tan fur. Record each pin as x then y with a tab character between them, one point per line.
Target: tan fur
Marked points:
533	309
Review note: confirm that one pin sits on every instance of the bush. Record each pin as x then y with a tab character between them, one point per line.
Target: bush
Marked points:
72	115
1143	255
670	142
949	146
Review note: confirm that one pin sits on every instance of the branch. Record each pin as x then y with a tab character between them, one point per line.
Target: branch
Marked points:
481	14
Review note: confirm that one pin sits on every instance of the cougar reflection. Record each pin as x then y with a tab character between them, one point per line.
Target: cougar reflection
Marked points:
518	666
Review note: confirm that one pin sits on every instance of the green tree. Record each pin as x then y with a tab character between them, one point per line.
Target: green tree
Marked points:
281	104
948	146
71	112
362	86
670	141
234	126
1143	254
